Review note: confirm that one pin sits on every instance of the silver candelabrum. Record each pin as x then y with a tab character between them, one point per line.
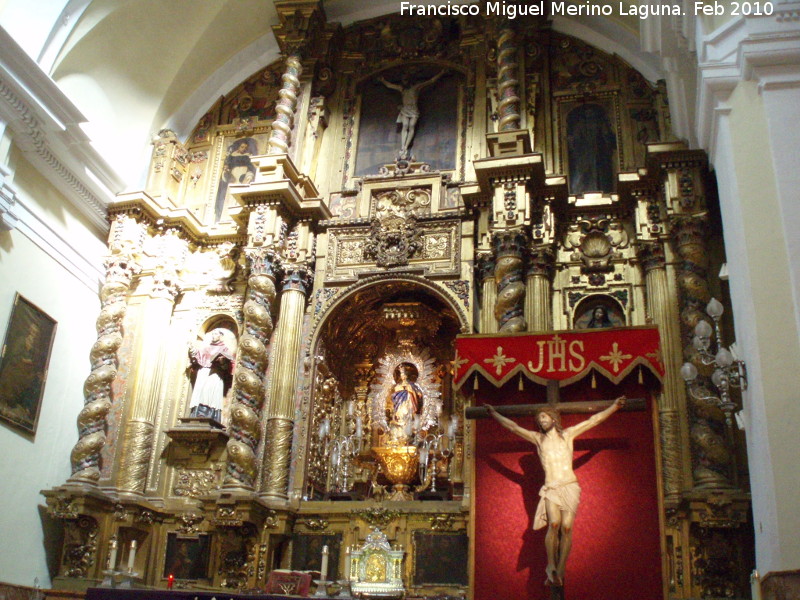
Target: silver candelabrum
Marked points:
729	371
434	447
341	449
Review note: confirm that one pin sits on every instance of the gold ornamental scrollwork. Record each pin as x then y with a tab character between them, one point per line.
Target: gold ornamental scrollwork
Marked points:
188	523
442	521
193	483
315	524
227	517
80	546
271	520
376	517
62	508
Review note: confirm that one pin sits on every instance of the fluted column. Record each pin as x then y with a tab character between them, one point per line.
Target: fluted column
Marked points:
507	84
711	455
664	311
251	366
125	242
539	289
281	136
280	420
484	273
509	309
139	428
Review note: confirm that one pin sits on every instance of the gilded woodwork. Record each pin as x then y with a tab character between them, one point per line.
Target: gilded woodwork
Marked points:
248	387
340	263
125	242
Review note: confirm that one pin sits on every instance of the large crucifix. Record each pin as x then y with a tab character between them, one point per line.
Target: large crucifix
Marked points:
561	493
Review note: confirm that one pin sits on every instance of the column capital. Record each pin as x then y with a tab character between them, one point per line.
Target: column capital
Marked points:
298	277
541	261
651	255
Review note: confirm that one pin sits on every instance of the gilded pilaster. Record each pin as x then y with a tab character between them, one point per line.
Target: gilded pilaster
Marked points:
664	312
162	283
484	273
539	289
297	284
509	311
125	242
251	365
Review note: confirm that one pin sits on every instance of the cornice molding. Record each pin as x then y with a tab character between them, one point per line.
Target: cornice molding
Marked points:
45	125
762	49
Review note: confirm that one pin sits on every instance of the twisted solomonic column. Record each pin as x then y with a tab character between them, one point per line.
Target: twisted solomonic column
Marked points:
121	265
508	271
251	366
281	135
508	98
712	457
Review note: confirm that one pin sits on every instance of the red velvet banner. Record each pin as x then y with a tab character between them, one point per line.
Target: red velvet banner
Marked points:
616	551
565	356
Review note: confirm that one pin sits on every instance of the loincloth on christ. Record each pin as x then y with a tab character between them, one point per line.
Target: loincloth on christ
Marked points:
565	494
407	112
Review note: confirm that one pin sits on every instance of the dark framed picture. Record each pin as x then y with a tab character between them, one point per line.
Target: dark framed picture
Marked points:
307	552
187	556
23	364
440	558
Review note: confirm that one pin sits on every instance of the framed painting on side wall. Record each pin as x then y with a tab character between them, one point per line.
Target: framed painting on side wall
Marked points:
23	364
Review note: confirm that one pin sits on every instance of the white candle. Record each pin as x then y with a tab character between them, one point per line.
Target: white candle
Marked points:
359	427
347	563
351	408
755	585
131	556
323	570
112	558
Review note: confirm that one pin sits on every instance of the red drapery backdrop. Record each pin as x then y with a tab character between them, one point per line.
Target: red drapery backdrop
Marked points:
616	540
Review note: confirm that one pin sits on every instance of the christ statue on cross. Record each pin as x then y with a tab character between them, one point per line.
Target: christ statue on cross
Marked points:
409	110
560	493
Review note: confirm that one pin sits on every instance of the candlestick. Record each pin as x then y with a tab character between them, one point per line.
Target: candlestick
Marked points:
131	556
324	568
112	557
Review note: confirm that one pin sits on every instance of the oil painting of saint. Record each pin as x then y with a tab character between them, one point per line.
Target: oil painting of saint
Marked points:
238	168
24	362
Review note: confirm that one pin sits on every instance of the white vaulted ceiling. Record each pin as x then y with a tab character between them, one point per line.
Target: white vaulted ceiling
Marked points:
133	67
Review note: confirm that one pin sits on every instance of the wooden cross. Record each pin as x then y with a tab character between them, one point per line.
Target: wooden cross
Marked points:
583	407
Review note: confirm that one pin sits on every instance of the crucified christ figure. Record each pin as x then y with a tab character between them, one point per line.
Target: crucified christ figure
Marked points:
409	111
560	493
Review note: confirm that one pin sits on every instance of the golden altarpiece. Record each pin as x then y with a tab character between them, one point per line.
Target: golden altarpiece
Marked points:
315	255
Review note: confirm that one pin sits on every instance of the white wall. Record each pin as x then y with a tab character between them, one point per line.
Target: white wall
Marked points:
52	259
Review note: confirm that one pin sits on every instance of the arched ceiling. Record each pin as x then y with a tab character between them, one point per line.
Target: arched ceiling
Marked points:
135	66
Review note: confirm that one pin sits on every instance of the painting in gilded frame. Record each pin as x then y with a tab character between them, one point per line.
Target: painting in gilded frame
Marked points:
23	364
187	557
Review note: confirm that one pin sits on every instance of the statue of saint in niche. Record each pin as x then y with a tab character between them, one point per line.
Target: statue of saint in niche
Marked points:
406	402
213	360
409	110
